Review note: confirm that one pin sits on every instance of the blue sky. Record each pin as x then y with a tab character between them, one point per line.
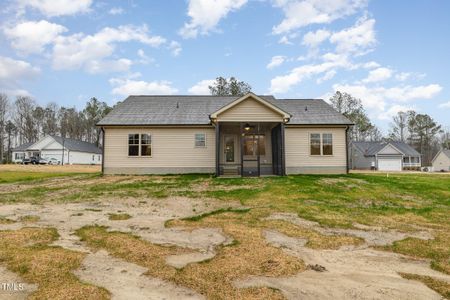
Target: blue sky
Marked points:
394	55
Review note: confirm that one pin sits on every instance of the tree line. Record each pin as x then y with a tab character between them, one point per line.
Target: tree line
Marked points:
22	120
419	131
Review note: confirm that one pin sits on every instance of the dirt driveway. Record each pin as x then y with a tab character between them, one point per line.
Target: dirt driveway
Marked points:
355	270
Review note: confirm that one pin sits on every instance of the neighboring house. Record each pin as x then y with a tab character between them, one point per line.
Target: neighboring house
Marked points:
384	156
441	162
226	135
74	151
20	152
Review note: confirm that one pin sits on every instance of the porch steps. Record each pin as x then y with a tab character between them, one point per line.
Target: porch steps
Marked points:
230	171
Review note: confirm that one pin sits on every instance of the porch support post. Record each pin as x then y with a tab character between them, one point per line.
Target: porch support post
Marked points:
283	151
217	149
241	143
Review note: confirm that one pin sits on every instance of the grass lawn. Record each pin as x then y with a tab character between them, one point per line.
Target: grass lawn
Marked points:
404	202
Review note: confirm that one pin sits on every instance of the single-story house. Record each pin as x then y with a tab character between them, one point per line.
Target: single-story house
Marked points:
441	162
227	135
384	156
73	151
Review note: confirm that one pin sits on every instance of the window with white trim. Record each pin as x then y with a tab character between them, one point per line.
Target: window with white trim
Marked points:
200	140
314	143
146	145
327	144
321	144
139	144
133	144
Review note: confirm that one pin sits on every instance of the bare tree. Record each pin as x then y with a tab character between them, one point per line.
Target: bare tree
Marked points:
24	119
50	123
353	109
229	87
3	113
399	127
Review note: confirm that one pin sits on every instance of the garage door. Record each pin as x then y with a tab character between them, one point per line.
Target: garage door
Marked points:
389	164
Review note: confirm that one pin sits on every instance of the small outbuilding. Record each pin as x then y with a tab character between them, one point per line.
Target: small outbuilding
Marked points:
441	162
384	156
64	150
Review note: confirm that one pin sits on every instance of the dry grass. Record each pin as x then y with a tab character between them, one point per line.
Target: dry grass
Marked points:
439	286
435	249
315	239
29	219
4	220
248	255
27	253
119	217
51	169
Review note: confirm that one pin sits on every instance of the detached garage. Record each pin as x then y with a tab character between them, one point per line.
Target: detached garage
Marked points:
384	156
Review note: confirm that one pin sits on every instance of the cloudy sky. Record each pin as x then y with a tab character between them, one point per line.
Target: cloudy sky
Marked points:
394	55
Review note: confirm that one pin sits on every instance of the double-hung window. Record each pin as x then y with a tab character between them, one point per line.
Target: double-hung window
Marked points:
321	144
139	144
314	143
200	140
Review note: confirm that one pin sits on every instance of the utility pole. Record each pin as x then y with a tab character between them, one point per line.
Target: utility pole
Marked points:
62	161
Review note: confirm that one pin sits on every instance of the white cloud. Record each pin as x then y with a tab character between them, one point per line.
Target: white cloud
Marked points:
284	40
12	72
11	69
377	98
144	59
378	74
282	84
116	11
357	39
328	75
89	51
301	13
175	48
313	39
371	65
101	66
126	87
206	14
276	61
201	87
394	110
445	105
54	8
31	37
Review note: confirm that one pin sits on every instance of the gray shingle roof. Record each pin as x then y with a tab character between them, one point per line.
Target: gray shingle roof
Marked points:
76	145
372	148
22	147
195	110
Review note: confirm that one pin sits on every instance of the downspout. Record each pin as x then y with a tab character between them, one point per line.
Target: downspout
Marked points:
346	149
103	151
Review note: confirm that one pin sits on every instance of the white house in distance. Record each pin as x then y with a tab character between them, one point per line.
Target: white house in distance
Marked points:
441	162
73	151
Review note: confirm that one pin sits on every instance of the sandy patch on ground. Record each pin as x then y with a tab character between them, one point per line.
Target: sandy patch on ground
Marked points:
128	281
8	277
374	236
147	221
350	274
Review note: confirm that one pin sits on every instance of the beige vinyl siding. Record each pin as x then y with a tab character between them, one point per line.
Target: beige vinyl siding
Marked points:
441	162
389	150
250	110
173	151
299	160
